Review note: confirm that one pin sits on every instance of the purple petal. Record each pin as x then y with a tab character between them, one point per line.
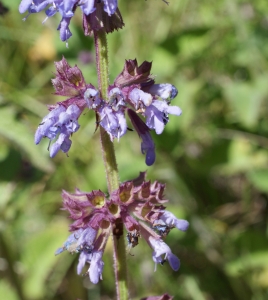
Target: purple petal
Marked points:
96	267
66	145
65	32
137	96
154	119
88	7
171	220
174	110
51	11
83	258
24	5
68	8
88	236
173	260
122	123
74	111
92	98
110	6
35	8
166	91
54	149
147	146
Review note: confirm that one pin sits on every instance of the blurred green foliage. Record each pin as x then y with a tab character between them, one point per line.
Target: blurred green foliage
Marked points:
213	158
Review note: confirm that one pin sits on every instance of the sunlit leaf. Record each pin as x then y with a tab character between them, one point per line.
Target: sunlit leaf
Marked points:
21	136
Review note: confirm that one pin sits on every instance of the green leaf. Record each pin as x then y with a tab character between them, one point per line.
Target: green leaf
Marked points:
38	256
260	179
247	262
245	100
20	135
6	291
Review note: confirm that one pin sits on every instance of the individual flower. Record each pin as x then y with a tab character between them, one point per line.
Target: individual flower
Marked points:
59	124
164	91
84	242
96	15
92	98
170	220
136	205
114	122
157	115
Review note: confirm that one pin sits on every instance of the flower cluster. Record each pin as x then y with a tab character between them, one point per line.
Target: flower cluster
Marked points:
133	92
96	14
137	205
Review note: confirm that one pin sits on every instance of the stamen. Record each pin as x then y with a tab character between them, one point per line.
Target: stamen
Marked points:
49	145
45	20
25	18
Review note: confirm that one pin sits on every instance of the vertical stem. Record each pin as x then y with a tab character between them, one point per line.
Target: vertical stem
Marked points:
120	262
110	164
108	153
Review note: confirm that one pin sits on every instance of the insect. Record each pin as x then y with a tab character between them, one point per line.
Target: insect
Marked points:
84	247
163	229
132	240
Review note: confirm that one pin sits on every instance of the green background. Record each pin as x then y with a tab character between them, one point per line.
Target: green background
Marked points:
213	158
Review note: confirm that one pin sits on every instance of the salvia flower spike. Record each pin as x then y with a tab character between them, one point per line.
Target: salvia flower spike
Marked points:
96	14
133	92
137	205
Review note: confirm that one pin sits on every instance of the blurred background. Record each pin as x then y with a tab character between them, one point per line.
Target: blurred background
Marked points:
213	158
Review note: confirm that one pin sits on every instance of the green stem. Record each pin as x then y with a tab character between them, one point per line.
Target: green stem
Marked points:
110	165
103	83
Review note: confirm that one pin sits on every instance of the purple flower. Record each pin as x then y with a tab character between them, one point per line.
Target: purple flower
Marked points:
84	241
147	144
61	123
161	248
66	8
116	99
114	122
161	251
96	267
92	98
157	115
140	99
65	32
165	91
71	243
170	220
135	205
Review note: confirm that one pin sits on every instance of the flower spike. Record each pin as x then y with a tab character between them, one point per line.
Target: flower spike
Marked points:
96	15
135	205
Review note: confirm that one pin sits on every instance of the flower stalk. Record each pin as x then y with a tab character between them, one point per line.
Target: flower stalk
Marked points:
110	164
108	153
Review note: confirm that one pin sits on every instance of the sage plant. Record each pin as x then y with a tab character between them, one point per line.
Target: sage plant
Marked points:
130	210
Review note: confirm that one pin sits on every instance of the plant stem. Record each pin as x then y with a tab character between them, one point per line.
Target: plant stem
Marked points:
110	165
103	83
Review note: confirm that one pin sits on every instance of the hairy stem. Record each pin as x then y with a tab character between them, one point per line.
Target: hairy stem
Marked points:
103	83
110	164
